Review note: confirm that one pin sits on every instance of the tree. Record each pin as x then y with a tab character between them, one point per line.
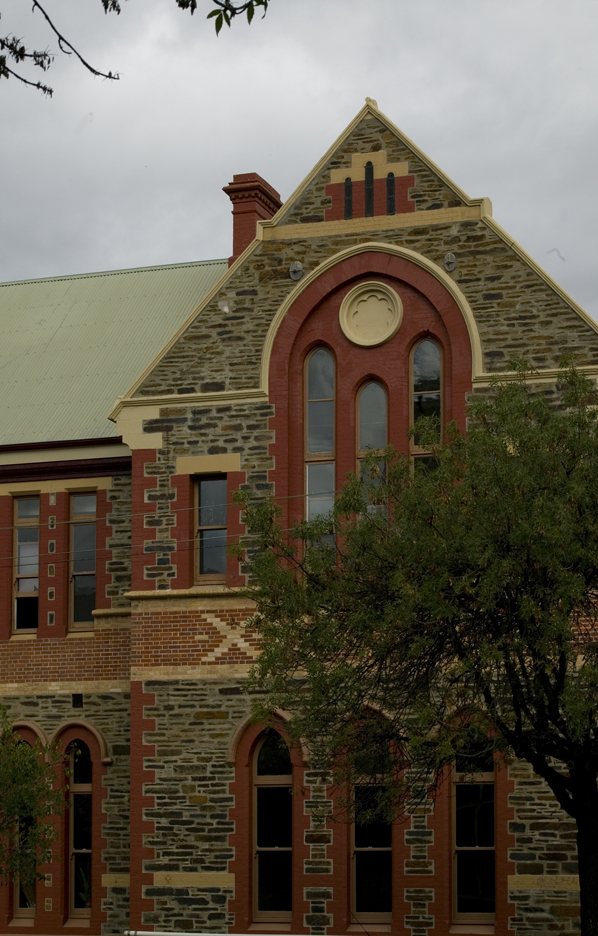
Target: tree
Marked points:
28	800
13	52
448	608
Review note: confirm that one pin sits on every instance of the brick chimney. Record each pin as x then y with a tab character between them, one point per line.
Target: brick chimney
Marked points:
253	200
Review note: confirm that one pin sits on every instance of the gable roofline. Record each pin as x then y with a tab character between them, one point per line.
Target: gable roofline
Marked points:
370	108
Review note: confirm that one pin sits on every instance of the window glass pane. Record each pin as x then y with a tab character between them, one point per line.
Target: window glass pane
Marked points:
475	815
84	598
320	426
28	551
274	817
212	552
425	463
475	882
373	882
320	489
83	504
84	547
28	585
212	502
475	760
375	834
26	612
82	763
274	758
82	881
372	417
320	480
27	508
274	881
81	821
426	367
426	404
26	895
320	376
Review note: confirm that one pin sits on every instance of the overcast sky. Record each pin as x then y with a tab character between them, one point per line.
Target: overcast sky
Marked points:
502	94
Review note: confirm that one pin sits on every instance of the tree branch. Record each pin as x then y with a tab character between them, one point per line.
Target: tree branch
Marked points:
66	47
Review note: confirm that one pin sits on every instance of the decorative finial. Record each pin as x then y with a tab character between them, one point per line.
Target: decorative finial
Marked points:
371	102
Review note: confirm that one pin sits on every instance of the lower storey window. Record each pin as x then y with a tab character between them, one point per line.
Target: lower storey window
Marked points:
372	862
473	886
80	815
273	804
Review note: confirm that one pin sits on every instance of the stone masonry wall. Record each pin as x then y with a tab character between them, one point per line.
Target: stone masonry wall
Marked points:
194	724
545	848
515	310
199	430
428	193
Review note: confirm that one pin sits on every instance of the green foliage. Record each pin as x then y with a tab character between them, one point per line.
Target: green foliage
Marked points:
28	800
456	608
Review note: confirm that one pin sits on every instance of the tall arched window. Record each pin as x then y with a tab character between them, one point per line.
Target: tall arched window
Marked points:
319	433
371	877
426	388
80	829
372	418
273	830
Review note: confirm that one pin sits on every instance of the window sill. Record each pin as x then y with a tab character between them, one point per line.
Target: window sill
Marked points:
77	923
22	921
270	928
77	635
369	928
474	929
28	636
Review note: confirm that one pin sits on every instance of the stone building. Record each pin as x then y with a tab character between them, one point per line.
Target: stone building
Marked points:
134	404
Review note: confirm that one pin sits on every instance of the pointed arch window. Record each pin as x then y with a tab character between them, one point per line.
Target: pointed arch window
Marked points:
319	433
273	830
372	418
426	389
371	877
80	829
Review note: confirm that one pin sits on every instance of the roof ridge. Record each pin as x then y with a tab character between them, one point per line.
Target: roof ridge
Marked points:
98	273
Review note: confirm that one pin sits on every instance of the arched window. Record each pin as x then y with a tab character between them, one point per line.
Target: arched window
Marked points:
319	433
371	877
372	418
474	840
273	830
426	388
80	829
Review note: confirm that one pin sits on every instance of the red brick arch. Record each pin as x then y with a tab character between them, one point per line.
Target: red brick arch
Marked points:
312	319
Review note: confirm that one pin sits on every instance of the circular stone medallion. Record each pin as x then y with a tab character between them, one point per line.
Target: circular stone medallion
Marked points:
370	314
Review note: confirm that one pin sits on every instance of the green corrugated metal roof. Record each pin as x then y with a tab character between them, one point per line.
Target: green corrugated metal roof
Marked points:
70	345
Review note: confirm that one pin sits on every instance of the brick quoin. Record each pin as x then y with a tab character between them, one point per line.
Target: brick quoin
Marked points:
139	802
